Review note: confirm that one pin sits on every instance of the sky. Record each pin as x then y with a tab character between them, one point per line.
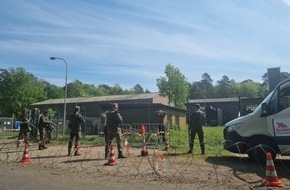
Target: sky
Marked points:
129	42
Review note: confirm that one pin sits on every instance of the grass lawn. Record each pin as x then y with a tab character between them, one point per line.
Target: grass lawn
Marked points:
178	140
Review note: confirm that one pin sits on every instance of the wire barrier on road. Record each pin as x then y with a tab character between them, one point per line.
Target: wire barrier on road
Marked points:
182	170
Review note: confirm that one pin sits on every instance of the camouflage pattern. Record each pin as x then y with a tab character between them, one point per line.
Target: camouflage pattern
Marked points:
196	122
75	122
113	125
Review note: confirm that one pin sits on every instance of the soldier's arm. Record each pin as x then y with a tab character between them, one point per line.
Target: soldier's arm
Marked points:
120	119
104	114
81	118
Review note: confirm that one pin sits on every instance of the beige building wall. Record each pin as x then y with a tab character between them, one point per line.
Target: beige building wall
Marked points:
182	122
160	99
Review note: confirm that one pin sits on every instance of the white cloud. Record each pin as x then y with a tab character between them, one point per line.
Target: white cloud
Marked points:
287	2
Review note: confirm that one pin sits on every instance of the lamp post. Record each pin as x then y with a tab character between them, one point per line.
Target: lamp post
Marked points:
65	92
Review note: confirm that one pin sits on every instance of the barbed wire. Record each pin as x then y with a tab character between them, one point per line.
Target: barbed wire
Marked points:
233	171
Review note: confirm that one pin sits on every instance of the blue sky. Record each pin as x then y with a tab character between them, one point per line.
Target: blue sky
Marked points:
129	42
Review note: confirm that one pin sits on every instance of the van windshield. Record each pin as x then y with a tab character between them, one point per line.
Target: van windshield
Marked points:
266	100
278	99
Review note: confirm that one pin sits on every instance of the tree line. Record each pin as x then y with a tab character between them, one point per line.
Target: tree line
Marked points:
20	89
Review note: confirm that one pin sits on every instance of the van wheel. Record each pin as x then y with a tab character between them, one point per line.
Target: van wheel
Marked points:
259	148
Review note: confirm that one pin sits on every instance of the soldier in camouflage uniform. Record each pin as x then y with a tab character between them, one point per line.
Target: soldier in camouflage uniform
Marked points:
196	122
24	129
161	128
75	122
114	122
43	124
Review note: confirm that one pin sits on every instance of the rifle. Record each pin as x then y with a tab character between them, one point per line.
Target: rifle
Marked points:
29	125
51	127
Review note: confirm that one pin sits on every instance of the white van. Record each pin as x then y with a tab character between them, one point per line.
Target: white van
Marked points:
267	129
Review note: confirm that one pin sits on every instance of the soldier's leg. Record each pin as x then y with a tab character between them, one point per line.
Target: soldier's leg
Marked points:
160	134
163	133
48	140
46	137
105	133
25	135
191	143
77	140
118	136
71	138
201	140
109	139
20	134
40	142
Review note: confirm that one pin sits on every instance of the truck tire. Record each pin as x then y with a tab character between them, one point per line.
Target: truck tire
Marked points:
259	147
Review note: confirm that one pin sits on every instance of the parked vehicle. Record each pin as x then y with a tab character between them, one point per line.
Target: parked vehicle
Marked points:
266	129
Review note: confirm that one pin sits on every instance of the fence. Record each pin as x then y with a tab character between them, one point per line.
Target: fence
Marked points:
7	126
180	170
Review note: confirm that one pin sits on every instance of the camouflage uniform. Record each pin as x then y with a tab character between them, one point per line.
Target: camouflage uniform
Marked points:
114	122
196	122
24	129
161	129
43	125
75	122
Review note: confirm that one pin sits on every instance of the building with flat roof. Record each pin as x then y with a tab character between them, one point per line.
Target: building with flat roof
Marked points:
134	108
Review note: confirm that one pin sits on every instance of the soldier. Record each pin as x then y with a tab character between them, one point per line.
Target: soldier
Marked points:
196	122
114	122
75	122
161	129
24	129
48	131
42	126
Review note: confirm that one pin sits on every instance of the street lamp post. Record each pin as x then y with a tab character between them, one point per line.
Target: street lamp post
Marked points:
65	92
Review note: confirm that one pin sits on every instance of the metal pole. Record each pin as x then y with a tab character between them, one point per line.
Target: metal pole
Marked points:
65	93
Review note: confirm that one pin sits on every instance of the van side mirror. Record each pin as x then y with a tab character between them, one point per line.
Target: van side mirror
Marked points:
264	109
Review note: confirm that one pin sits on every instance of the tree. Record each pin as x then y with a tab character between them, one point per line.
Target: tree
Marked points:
207	86
116	90
248	89
76	89
137	89
195	90
203	88
51	91
174	86
224	89
19	90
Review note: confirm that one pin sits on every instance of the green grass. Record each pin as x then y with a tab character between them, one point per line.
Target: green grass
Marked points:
178	140
213	138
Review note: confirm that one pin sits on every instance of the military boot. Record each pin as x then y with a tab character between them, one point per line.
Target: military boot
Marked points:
106	154
69	152
120	155
190	150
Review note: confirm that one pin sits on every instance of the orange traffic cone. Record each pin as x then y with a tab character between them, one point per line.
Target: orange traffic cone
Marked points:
25	157
78	151
144	151
271	175
111	160
166	145
126	144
